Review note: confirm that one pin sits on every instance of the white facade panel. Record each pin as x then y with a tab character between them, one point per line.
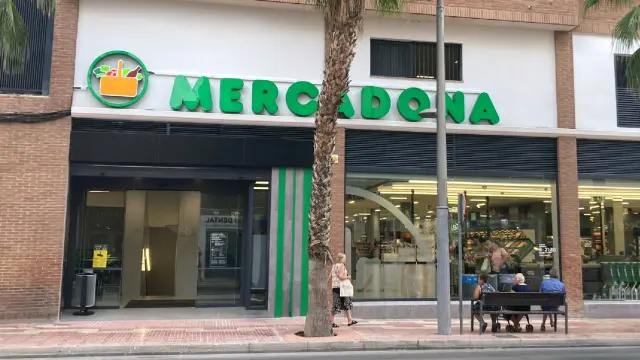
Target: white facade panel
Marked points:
595	83
514	66
202	39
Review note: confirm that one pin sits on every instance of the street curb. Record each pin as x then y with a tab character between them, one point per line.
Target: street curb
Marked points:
318	346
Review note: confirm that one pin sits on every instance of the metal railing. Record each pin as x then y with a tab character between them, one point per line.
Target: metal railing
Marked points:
34	77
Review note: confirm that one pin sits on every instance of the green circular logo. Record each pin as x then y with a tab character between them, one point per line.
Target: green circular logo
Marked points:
118	79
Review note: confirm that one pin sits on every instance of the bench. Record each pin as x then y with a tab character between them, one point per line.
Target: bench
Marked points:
500	300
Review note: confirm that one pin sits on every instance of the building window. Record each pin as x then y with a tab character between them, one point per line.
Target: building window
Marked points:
33	78
390	238
610	238
411	59
627	99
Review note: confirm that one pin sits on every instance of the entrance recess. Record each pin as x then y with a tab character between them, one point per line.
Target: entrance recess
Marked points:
181	244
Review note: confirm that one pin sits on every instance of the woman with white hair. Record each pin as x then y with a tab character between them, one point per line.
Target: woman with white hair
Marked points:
520	286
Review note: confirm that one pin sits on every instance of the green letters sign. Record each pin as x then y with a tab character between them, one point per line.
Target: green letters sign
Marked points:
301	100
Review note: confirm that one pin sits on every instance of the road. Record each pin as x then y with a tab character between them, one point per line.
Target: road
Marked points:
609	353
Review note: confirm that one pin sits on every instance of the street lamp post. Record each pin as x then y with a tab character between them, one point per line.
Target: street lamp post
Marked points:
442	223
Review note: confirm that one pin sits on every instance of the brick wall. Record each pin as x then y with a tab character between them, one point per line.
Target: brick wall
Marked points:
601	20
569	215
33	186
559	12
570	249
565	101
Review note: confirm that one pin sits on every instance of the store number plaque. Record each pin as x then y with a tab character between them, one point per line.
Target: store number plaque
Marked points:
218	244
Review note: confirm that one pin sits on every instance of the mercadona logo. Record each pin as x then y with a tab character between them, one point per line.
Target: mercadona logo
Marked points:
118	79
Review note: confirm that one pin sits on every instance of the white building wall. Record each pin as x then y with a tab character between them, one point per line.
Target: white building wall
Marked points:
595	83
514	66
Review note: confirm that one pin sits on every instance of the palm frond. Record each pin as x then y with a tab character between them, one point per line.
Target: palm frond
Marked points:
14	35
612	4
625	32
633	70
46	6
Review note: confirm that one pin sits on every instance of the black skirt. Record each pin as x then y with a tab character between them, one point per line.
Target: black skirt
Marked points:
340	304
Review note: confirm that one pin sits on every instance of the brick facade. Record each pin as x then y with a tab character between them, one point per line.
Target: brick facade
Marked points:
569	215
570	248
563	12
601	20
34	162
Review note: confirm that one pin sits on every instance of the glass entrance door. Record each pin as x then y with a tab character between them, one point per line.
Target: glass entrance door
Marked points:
175	243
221	247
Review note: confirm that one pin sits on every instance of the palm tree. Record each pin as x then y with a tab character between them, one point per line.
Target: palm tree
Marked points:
343	19
625	33
14	35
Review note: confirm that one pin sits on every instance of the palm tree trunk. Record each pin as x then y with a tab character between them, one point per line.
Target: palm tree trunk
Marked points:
343	19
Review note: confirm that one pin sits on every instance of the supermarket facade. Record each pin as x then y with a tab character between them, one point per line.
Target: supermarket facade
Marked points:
187	154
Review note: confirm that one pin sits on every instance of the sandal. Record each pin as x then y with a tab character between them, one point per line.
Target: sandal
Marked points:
543	328
353	322
334	325
484	326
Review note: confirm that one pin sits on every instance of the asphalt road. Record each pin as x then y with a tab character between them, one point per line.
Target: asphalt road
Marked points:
609	353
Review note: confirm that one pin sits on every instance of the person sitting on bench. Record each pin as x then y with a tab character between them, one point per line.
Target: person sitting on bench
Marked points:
520	286
484	287
551	285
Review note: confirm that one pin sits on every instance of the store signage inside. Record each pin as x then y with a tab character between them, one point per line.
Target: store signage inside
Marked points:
301	100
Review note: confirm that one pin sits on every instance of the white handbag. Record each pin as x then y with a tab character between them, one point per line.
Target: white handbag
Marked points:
346	288
486	266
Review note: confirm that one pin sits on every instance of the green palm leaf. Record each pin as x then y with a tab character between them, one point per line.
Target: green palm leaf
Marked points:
14	35
625	33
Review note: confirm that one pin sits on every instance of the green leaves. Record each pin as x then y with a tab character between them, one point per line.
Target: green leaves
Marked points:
625	33
626	36
14	48
101	71
139	77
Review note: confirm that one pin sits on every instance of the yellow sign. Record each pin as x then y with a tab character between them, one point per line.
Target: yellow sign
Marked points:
100	256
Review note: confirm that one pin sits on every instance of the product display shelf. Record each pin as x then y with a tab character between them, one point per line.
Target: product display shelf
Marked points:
514	241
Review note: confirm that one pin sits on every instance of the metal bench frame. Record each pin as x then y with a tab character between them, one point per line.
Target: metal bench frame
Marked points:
502	300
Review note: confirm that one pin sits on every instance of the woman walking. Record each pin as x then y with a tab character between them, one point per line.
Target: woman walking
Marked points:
338	275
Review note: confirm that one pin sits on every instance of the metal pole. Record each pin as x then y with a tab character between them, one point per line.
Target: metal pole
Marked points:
442	228
462	207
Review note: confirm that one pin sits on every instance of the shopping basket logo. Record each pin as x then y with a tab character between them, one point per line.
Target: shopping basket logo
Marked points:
118	79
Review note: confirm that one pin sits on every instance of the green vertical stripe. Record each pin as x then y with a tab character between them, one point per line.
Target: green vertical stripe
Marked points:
304	280
282	188
293	243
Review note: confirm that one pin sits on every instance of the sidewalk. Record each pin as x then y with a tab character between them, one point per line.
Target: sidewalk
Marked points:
109	338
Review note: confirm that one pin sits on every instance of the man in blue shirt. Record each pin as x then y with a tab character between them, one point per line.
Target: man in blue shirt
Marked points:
551	285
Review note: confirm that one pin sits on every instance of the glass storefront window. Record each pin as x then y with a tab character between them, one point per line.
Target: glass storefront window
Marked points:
104	227
390	236
610	236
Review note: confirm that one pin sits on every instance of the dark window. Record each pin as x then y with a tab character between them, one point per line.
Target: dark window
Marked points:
410	59
627	99
34	78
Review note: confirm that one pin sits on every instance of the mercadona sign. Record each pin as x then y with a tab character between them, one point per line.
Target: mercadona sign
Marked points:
375	101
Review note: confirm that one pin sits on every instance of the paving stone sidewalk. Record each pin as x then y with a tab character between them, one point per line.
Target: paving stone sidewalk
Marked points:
94	338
